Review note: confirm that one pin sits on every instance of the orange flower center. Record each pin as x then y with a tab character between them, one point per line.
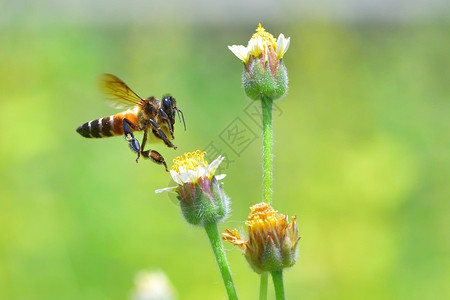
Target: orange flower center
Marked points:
264	217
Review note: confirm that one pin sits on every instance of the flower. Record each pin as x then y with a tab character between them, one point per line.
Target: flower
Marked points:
151	285
272	240
264	72
201	196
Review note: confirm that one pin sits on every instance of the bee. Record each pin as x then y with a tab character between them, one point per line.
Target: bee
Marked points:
149	115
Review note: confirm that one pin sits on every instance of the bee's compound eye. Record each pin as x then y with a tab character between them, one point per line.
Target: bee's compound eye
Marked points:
167	103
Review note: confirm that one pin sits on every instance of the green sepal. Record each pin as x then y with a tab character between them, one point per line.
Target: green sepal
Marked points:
289	254
203	207
269	260
272	257
260	82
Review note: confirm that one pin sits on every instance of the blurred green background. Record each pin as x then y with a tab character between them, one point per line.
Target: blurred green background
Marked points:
361	150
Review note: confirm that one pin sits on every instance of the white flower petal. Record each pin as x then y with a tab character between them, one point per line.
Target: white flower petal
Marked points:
251	46
282	45
167	189
192	175
185	177
214	165
255	46
220	176
240	51
201	171
176	177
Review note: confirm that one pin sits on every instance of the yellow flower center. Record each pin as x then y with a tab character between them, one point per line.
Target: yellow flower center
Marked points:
190	161
266	37
264	217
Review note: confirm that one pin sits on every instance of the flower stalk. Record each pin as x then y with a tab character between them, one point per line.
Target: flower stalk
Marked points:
219	253
277	278
267	106
264	278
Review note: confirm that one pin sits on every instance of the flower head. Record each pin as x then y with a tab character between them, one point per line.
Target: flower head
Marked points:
272	240
264	72
201	196
261	43
192	166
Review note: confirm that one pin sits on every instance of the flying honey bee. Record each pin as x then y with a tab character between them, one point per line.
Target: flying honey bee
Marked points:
151	114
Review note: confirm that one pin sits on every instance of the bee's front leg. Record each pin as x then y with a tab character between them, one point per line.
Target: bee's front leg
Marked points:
162	134
155	157
129	137
167	121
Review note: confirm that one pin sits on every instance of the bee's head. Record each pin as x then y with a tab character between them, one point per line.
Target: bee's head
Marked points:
169	105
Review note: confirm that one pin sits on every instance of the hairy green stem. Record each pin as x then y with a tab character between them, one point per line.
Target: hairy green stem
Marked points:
263	286
267	104
219	253
277	277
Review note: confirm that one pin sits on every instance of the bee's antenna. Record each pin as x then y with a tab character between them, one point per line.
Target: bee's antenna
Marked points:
182	115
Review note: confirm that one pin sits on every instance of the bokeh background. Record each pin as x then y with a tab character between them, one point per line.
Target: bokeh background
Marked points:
361	153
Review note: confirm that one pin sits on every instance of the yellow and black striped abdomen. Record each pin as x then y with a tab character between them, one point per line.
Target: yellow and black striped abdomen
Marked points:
106	126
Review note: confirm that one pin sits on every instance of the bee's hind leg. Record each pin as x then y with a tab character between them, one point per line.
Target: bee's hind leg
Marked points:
155	157
129	137
152	154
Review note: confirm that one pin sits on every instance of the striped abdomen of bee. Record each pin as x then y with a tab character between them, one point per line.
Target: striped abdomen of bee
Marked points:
107	126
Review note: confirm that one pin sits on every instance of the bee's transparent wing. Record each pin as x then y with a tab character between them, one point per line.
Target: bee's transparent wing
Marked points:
119	95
